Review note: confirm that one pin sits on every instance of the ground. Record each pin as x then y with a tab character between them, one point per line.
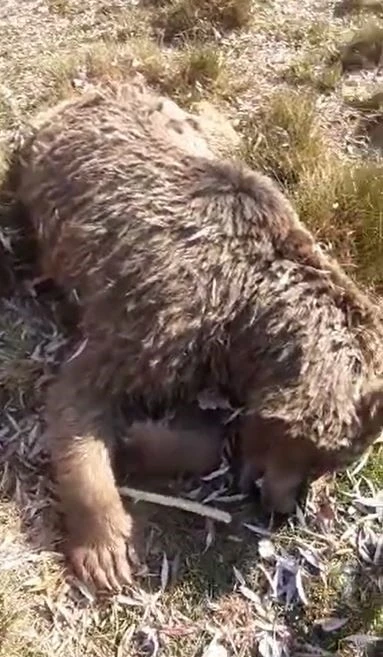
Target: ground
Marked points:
301	83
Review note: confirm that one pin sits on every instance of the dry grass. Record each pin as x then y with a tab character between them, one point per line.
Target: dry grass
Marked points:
341	201
201	19
370	103
370	118
372	128
200	72
316	63
365	49
283	138
100	62
343	205
318	34
309	70
189	75
359	6
192	598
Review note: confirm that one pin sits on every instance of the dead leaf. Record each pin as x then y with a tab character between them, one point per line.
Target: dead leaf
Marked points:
362	640
332	623
164	572
123	649
215	649
266	548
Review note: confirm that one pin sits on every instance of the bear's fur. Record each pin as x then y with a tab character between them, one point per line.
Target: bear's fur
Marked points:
191	271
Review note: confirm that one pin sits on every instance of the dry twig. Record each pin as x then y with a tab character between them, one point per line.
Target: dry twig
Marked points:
177	503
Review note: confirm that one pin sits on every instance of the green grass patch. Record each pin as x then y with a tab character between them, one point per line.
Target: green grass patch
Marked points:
200	72
199	66
341	201
373	471
283	139
65	72
343	204
349	593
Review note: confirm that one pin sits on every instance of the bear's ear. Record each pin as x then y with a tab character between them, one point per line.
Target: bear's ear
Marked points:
370	412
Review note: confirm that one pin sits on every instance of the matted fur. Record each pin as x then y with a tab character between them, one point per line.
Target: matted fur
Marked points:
190	271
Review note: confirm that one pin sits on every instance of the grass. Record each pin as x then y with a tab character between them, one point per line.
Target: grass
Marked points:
199	72
283	139
19	625
316	63
341	201
369	103
360	606
345	208
62	7
346	7
101	62
232	54
309	70
372	128
188	75
360	601
201	19
352	589
199	66
370	118
365	49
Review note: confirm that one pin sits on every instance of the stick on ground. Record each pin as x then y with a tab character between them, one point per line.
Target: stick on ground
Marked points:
176	502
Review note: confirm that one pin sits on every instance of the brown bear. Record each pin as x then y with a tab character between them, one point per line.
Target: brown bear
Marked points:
191	271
